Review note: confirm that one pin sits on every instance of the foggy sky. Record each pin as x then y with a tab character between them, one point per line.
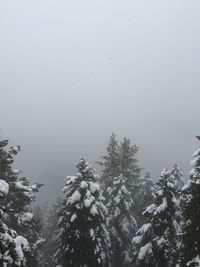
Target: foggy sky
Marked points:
72	72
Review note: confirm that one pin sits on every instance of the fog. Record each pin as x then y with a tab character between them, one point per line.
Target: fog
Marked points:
72	72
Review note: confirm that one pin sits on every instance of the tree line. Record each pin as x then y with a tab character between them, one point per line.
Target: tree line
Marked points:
121	218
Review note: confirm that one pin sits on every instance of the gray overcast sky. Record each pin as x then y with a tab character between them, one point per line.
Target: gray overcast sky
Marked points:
71	72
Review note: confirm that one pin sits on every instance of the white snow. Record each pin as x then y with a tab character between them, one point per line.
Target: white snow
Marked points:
5	236
196	154
194	161
40	241
195	260
125	228
144	228
94	210
124	190
16	148
117	199
159	192
83	185
25	217
127	258
70	181
76	196
137	239
4	187
140	233
21	186
161	241
16	171
87	203
73	218
21	245
147	249
92	234
162	207
94	187
150	209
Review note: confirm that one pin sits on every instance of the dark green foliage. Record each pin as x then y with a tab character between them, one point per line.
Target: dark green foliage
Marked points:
120	160
50	231
157	241
121	223
83	238
21	195
128	162
143	196
111	162
191	212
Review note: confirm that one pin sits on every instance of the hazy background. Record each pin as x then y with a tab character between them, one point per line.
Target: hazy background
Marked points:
73	71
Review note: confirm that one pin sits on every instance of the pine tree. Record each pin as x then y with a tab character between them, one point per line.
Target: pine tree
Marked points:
41	256
143	196
20	197
121	223
177	177
13	247
83	238
130	169
128	162
50	231
38	213
158	239
191	212
110	162
121	159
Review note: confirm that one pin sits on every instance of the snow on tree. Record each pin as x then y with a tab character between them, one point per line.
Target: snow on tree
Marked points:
121	223
143	196
176	177
121	159
110	162
130	169
40	214
157	242
50	231
21	195
128	161
12	246
83	239
191	212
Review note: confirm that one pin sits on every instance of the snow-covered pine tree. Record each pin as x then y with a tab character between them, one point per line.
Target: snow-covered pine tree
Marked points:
121	223
110	162
50	231
13	248
18	201
191	213
157	241
83	239
177	178
143	196
40	214
121	159
128	162
130	169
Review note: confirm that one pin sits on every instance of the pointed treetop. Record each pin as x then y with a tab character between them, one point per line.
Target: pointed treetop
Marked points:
147	175
85	169
198	137
164	176
3	143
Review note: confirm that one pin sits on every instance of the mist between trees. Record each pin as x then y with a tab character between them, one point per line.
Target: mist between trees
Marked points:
121	218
